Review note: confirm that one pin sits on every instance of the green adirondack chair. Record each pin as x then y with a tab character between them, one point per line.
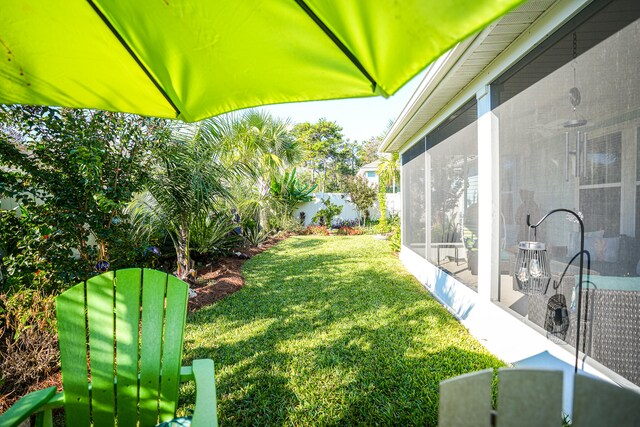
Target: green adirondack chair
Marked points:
126	329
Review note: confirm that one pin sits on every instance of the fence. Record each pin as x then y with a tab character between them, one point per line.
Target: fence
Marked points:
348	209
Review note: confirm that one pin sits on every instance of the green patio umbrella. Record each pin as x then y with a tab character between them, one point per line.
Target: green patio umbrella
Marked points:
192	59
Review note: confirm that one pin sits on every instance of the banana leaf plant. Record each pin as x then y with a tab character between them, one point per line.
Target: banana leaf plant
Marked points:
290	192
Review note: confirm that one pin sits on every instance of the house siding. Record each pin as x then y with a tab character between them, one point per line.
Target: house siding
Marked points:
513	331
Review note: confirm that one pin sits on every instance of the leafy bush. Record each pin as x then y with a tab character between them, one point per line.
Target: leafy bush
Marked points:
214	233
345	223
388	173
361	194
36	255
382	204
253	234
394	220
325	215
381	228
28	343
290	192
320	230
350	231
395	239
289	225
72	172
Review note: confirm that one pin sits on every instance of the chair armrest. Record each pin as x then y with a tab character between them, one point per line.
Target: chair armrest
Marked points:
206	410
186	373
26	407
57	401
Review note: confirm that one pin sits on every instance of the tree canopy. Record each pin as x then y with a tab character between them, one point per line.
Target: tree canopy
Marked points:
72	173
330	158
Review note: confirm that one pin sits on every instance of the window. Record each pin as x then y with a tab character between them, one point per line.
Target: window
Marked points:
452	151
414	199
600	184
568	127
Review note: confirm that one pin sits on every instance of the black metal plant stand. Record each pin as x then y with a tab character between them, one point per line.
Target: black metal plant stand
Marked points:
581	254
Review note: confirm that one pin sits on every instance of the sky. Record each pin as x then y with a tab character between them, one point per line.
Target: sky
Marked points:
360	118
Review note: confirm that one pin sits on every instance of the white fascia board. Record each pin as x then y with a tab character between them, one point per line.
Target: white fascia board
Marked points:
435	73
547	24
553	19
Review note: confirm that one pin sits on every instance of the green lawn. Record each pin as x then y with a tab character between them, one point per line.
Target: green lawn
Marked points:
331	331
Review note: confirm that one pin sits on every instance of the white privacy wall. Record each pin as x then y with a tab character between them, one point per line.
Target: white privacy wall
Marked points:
348	209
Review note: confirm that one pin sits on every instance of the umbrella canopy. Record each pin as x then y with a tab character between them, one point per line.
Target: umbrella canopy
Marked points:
193	59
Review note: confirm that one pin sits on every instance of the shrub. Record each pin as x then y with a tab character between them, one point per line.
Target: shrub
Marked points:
131	252
361	194
350	231
388	173
381	228
382	204
395	239
214	233
254	235
345	223
290	225
325	215
320	230
28	343
35	254
290	192
72	172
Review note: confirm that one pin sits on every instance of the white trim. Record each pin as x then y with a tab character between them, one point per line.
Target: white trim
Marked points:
435	73
554	18
427	204
488	197
596	186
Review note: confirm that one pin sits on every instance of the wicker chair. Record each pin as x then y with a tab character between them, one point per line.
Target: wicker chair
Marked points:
610	329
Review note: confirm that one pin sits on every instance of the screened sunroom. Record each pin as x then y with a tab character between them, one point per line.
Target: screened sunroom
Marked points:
538	112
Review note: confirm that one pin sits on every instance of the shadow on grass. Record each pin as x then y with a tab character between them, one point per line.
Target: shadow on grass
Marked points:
330	344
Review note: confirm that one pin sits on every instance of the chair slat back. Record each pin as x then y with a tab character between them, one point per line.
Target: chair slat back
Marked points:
529	397
72	338
100	292
465	401
107	309
153	293
172	351
598	403
127	345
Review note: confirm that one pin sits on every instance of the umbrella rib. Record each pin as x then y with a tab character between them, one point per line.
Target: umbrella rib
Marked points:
134	56
334	38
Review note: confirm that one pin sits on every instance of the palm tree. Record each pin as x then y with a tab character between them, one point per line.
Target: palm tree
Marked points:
188	181
262	143
389	170
207	167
